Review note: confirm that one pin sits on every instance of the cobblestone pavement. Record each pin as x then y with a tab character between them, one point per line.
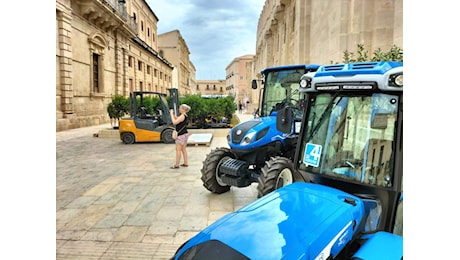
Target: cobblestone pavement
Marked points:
117	201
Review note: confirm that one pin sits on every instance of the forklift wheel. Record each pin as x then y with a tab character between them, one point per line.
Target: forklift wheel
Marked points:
166	136
128	138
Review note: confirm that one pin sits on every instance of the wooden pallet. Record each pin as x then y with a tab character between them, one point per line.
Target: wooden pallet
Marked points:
198	144
199	139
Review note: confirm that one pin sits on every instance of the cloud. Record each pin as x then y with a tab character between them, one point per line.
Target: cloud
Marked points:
215	32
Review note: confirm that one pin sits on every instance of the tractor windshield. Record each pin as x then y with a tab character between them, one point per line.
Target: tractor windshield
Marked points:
281	89
351	137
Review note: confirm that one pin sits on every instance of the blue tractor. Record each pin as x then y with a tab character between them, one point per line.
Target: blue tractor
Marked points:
345	197
254	142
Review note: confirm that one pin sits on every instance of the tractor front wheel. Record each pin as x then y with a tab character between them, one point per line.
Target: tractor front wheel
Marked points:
210	170
276	173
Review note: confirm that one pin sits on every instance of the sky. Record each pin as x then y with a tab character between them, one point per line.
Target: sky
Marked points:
215	31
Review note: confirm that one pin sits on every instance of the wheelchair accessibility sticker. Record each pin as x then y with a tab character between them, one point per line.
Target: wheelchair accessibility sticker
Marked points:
312	154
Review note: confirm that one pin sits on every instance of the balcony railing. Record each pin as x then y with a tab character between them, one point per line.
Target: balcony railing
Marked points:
119	7
132	23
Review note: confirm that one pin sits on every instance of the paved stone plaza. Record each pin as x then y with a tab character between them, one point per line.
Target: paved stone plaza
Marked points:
123	201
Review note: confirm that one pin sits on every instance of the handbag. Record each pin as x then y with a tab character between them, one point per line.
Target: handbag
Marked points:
175	133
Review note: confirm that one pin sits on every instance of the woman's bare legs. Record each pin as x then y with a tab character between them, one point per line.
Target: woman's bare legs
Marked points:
178	153
184	153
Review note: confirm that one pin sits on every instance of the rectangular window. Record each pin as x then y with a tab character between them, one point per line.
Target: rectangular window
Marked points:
148	69
197	87
155	72
130	61
95	72
214	87
161	75
139	65
131	88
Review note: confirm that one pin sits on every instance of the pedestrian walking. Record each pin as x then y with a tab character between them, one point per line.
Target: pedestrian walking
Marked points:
246	103
180	123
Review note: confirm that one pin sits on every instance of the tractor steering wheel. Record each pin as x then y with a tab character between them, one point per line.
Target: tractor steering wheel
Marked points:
286	102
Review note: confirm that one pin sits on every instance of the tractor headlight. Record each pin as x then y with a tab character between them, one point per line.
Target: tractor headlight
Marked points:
399	80
396	80
305	82
248	138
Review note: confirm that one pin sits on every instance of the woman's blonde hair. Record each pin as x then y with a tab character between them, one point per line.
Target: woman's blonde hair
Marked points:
185	107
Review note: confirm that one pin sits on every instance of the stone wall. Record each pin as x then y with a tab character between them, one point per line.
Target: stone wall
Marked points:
95	43
319	31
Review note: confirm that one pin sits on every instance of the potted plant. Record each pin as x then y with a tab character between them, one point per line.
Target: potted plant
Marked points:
117	109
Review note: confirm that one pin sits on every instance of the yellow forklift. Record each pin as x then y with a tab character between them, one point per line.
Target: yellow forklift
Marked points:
143	127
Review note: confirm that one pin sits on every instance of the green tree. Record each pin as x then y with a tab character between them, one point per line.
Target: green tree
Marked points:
198	108
394	54
227	105
117	109
151	104
204	107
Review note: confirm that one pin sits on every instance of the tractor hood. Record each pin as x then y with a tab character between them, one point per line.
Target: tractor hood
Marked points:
255	133
301	220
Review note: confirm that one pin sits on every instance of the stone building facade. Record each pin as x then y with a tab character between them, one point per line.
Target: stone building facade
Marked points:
104	48
109	47
319	31
238	79
210	88
173	47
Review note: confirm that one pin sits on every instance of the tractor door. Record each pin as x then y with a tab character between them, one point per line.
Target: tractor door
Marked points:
352	143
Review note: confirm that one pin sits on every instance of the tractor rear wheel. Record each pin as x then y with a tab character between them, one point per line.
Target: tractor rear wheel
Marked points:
128	138
210	170
276	173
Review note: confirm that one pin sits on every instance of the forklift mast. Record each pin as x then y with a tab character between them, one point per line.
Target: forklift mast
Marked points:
174	102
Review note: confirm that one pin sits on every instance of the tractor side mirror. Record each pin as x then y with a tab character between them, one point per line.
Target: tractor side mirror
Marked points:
254	84
284	120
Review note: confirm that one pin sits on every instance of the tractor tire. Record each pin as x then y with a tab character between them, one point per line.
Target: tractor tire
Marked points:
128	138
276	173
209	171
166	136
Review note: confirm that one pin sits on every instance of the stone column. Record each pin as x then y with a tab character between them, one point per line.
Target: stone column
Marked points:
64	21
120	66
